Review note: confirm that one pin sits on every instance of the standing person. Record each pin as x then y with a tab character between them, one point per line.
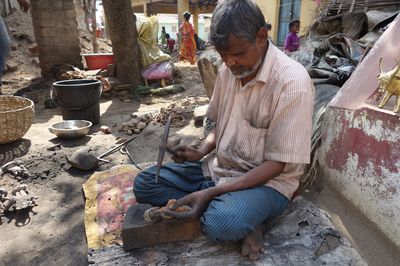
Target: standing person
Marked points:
262	105
188	43
170	42
5	41
162	37
292	42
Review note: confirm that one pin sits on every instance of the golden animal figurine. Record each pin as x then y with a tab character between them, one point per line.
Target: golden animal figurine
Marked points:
389	83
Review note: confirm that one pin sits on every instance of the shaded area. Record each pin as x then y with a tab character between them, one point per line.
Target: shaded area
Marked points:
11	151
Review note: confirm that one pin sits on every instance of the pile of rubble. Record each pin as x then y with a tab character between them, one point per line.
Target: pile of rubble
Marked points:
136	124
139	121
342	34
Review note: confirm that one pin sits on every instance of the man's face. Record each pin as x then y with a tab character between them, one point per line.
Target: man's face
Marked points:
242	57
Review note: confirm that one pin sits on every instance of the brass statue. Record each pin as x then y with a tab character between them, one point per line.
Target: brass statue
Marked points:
389	83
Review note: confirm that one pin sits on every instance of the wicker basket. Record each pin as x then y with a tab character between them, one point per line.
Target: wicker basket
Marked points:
16	116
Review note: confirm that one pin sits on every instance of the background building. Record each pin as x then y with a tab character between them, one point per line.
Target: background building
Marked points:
278	12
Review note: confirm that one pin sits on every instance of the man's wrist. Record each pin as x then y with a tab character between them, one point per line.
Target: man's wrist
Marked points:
215	191
202	152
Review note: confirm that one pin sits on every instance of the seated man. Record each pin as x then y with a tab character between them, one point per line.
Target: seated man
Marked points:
262	105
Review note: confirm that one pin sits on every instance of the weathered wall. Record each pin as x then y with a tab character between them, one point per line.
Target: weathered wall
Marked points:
56	33
360	149
270	9
307	10
360	157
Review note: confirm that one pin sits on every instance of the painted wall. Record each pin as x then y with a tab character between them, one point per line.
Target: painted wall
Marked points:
360	148
360	157
270	9
307	10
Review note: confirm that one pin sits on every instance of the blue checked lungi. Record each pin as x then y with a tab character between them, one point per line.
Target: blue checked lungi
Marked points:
230	216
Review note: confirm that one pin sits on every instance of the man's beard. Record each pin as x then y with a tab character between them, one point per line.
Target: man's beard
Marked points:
245	73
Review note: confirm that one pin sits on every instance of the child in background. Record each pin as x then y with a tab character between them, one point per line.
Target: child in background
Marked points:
292	42
170	42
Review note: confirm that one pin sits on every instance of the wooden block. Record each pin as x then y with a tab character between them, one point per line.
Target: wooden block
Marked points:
137	233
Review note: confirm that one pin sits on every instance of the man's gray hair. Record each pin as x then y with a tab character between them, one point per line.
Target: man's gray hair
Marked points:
242	18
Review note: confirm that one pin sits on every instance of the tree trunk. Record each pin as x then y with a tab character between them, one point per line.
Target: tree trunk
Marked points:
94	27
124	37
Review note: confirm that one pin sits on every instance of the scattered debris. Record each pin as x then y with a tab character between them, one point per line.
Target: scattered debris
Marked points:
16	169
11	66
120	140
33	48
142	91
36	61
136	124
199	115
106	84
106	129
77	74
54	147
19	199
173	111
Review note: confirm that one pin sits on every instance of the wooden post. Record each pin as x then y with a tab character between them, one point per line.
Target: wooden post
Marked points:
145	9
196	20
94	27
183	5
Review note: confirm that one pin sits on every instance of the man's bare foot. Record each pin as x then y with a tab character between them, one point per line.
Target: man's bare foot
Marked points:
253	244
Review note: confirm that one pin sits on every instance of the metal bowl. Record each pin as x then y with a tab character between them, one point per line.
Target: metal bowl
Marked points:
70	129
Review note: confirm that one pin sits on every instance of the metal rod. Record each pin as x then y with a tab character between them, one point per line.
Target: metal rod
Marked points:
112	150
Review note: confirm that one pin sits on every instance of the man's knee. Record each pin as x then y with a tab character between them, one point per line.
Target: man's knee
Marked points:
141	187
224	224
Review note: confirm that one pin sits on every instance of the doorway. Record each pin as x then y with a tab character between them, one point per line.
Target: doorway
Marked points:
288	10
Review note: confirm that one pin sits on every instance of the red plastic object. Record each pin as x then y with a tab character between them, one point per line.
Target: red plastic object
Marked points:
98	61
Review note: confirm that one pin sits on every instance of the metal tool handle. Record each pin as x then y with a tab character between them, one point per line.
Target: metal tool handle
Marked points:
112	150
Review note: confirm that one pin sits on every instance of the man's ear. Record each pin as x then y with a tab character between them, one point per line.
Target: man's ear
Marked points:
262	35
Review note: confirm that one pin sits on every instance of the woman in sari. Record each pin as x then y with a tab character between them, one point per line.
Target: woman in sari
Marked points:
188	44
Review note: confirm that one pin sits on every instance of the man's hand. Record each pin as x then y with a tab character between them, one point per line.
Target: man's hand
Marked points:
197	200
24	5
184	153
